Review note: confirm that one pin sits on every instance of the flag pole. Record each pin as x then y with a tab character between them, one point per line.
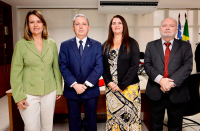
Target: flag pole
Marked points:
178	23
185	16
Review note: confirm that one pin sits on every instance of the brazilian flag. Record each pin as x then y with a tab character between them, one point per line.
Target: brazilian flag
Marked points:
186	32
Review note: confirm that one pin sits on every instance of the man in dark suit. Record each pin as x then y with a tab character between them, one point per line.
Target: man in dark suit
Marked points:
81	65
168	63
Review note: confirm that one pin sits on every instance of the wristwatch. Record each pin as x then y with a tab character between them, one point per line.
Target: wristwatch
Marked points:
85	85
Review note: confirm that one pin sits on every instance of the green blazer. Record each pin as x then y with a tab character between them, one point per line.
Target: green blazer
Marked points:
34	73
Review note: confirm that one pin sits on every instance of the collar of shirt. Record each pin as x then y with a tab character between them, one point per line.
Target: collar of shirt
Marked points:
164	46
84	42
171	41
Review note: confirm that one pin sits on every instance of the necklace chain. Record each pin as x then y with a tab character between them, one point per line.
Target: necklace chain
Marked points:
117	40
37	42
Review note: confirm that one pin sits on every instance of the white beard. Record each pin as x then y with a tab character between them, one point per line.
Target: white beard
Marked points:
170	35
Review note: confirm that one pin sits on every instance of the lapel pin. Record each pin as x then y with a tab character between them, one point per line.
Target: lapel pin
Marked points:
88	45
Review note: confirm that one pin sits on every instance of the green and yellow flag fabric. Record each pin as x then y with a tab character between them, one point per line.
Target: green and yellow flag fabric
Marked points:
186	32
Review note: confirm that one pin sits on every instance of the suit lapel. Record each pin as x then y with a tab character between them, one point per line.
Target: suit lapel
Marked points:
159	47
45	47
121	49
173	51
31	46
107	51
106	54
75	48
88	46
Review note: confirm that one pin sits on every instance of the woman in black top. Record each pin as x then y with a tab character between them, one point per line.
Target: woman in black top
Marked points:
121	63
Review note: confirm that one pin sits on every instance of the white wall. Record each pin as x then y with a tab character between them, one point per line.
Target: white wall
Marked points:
143	28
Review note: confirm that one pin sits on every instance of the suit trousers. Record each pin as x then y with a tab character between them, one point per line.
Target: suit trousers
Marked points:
39	114
90	109
174	113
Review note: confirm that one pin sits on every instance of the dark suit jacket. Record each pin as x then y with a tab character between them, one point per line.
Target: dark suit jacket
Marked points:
127	65
179	68
75	68
197	57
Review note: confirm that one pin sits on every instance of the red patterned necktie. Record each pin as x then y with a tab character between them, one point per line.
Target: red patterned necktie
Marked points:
167	54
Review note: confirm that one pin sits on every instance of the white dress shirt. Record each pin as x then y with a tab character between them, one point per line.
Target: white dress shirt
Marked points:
83	43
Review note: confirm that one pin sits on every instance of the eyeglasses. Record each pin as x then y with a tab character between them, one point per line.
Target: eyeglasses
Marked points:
78	24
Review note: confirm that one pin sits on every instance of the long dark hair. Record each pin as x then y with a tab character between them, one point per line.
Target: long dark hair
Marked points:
125	34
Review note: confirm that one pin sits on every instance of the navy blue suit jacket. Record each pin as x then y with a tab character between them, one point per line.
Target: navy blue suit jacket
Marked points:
75	68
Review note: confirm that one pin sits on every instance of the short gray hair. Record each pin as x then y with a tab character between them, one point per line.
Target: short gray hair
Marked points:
80	15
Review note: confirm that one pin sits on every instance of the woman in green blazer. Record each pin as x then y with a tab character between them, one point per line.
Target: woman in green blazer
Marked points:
36	80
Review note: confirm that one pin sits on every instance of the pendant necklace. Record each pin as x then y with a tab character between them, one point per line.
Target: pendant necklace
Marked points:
37	42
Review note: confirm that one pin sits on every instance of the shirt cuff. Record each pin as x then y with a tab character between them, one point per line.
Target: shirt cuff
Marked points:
73	84
89	84
158	78
174	85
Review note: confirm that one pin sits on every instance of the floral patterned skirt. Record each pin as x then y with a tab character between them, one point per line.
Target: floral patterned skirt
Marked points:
123	109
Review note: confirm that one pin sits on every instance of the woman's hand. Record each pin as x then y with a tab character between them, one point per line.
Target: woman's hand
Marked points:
112	85
22	105
58	97
117	88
